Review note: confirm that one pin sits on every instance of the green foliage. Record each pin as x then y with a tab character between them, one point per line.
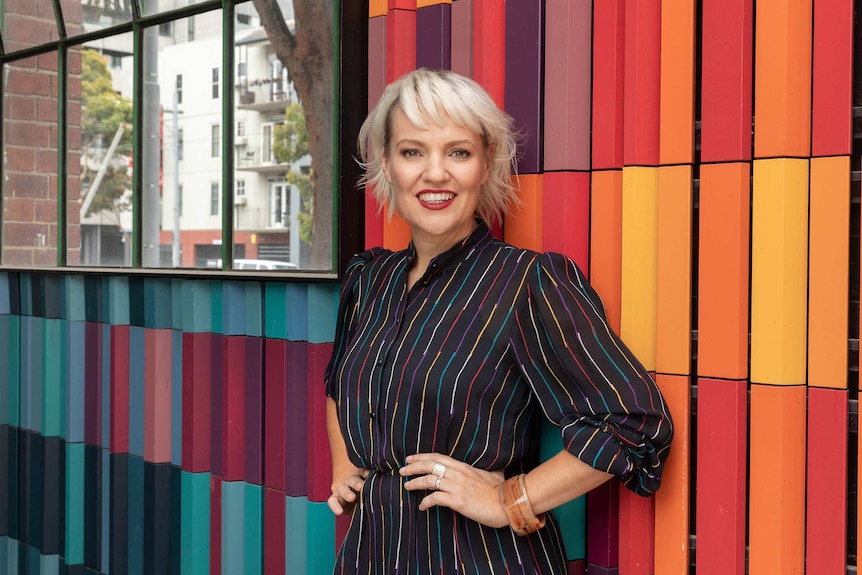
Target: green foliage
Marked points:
290	144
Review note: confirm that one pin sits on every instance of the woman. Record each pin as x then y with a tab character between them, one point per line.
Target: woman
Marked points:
447	354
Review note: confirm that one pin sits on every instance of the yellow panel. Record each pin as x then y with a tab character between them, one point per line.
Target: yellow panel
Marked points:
639	262
779	276
377	8
829	252
673	320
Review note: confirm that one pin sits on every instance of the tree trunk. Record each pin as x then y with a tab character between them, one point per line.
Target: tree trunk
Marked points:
308	54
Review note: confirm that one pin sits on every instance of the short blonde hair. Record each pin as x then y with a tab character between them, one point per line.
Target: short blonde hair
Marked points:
430	97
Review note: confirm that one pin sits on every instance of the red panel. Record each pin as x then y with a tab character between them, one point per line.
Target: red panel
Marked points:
726	84
402	4
642	83
566	215
215	525
157	395
233	425
637	533
273	530
721	476
149	394
462	37
826	517
831	129
319	457
608	82
400	43
197	407
119	389
274	412
489	47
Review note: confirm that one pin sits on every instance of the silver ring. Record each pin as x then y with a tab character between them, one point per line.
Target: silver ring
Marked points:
439	470
437	483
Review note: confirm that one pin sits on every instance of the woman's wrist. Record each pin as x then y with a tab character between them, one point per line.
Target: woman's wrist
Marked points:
519	511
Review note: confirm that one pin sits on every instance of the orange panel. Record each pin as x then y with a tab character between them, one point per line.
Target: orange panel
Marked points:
828	252
673	318
396	232
724	216
424	3
377	8
524	225
676	131
606	217
782	78
777	480
672	500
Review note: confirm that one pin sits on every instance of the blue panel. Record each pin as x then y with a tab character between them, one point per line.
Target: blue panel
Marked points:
197	306
296	311
106	511
232	532
50	565
322	309
136	515
162	302
177	399
75	301
5	309
75	342
296	532
107	340
233	308
25	291
74	503
53	413
253	530
10	366
118	300
253	309
177	303
136	390
275	304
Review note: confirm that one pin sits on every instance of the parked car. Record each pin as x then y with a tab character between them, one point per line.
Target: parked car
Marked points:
263	265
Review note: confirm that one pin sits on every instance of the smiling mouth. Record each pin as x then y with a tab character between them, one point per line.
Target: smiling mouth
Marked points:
435	197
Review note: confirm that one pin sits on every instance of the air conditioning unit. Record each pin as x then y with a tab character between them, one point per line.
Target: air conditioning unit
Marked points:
241	141
240	200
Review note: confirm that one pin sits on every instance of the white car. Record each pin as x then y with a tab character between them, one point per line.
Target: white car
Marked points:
263	265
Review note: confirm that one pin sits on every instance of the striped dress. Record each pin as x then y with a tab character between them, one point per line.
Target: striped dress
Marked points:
489	340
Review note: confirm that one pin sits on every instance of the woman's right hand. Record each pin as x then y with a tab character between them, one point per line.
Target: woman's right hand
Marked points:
344	494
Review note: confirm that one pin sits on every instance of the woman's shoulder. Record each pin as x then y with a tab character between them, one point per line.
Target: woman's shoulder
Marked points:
362	259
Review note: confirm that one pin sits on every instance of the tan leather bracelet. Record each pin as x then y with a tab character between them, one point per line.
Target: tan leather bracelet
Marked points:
513	496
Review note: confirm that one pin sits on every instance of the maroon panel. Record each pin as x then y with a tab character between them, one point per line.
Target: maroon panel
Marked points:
296	448
434	36
376	59
120	389
566	215
608	82
462	37
254	410
275	414
197	407
603	525
233	397
217	405
319	457
273	530
524	64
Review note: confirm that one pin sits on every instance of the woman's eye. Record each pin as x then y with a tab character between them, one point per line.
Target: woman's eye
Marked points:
461	153
410	153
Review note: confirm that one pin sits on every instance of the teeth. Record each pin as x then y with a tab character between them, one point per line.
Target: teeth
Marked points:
436	197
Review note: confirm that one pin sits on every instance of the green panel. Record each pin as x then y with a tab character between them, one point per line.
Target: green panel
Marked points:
573	515
275	304
158	298
177	303
253	309
10	370
322	309
50	565
296	532
74	503
195	523
118	300
216	287
197	306
253	529
53	380
232	538
321	539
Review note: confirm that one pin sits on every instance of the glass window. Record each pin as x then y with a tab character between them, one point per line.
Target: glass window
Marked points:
179	88
215	141
179	144
191	29
215	84
96	14
215	199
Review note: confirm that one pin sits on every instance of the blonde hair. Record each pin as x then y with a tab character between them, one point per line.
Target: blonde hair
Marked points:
430	97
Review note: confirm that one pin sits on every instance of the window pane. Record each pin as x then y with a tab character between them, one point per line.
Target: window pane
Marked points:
274	154
100	152
29	182
150	7
182	125
96	14
31	23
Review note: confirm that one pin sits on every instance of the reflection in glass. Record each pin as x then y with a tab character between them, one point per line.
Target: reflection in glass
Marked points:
279	221
30	23
93	15
100	152
29	182
150	7
182	123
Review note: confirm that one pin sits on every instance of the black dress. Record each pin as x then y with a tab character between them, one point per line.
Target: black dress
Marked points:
489	340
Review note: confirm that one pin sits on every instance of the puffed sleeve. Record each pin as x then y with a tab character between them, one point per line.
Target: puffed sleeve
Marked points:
348	306
609	410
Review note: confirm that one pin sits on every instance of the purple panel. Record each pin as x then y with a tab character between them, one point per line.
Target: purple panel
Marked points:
216	404
462	37
296	456
524	78
434	36
568	88
254	410
376	59
603	527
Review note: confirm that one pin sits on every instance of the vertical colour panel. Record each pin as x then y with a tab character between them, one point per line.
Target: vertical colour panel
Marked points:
677	81
642	94
609	39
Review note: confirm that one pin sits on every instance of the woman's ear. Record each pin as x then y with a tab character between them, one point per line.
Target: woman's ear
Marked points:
384	164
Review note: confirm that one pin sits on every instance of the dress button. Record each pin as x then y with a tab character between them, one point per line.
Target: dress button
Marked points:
373	415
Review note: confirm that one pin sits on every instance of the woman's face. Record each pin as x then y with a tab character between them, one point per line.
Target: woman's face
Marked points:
437	175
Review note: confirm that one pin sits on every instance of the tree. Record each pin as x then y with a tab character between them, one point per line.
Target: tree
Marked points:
104	112
307	54
290	144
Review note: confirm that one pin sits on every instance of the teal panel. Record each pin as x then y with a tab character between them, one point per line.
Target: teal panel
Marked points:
253	530
177	303
322	309
106	509
296	532
159	301
74	503
118	300
275	304
136	516
232	307
321	539
233	518
195	523
573	515
32	329
10	368
197	306
11	561
216	287
5	303
4	553
254	309
297	311
50	565
76	308
25	290
75	377
53	376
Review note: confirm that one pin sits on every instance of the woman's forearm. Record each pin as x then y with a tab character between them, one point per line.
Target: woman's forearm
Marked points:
559	480
342	468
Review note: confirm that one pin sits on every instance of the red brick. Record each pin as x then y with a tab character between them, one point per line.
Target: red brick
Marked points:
73	214
26	134
49	62
73	62
45	258
30	32
16	257
20	159
19	210
27	185
46	110
25	235
46	161
24	79
21	7
46	211
20	107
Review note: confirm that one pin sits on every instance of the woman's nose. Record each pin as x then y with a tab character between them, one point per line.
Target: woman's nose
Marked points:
435	170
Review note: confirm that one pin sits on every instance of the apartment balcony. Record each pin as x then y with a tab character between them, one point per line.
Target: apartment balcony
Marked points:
256	159
262	98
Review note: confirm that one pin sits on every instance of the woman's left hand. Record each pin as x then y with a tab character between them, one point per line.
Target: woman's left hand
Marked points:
471	492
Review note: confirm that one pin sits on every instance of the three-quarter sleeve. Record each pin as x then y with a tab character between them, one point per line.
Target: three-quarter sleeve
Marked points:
348	305
609	410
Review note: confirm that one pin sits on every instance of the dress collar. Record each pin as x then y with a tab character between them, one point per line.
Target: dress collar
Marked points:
457	253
